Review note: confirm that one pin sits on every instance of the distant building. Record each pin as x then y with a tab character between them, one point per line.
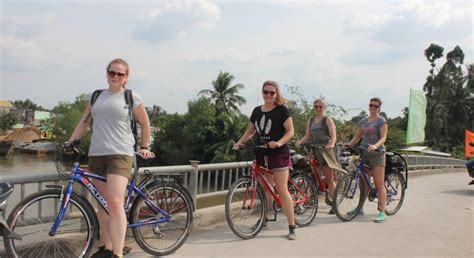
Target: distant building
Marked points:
40	116
5	107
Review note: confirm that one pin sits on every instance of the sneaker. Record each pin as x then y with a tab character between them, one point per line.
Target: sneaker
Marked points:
264	225
331	211
102	252
381	217
471	183
291	234
361	212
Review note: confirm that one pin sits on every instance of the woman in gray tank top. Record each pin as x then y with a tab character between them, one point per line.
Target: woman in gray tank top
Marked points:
372	134
111	152
321	131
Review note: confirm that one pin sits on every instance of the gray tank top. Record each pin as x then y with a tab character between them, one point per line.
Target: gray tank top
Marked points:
319	134
371	131
111	133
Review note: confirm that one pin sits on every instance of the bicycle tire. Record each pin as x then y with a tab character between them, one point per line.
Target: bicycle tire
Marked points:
349	190
244	222
37	242
167	237
395	187
304	212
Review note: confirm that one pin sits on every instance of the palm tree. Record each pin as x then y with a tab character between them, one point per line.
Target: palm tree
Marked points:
223	95
234	127
432	53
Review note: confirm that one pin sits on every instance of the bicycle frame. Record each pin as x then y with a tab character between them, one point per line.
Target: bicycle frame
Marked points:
258	172
81	176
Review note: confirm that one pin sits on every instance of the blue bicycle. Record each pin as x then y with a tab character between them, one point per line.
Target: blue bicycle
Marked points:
61	222
349	194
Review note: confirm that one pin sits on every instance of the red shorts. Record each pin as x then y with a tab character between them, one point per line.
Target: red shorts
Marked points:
274	162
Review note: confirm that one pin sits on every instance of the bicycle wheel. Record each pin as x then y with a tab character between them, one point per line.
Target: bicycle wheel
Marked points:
395	186
33	218
244	221
348	197
166	237
305	212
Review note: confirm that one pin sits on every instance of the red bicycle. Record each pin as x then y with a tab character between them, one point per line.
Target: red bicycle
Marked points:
246	206
315	174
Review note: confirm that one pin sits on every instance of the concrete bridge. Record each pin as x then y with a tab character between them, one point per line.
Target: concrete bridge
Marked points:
436	220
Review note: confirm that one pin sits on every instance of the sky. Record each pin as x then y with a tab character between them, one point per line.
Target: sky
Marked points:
346	51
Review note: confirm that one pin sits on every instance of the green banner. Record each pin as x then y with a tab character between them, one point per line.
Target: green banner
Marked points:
416	117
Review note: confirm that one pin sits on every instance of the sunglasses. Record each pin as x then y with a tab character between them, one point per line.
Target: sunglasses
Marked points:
318	106
271	93
374	106
113	74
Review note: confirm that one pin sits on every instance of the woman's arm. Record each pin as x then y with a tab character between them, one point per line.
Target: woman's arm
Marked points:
306	135
246	136
332	133
289	132
141	116
356	138
81	127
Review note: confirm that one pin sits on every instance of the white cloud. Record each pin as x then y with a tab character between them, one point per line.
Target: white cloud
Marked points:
19	53
26	27
437	13
177	19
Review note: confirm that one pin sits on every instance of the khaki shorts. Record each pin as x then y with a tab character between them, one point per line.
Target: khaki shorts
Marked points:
111	164
373	159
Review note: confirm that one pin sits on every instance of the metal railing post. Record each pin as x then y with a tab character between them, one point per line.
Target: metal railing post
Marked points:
193	180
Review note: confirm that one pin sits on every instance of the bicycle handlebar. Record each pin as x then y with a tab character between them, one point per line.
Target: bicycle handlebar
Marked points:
313	146
256	147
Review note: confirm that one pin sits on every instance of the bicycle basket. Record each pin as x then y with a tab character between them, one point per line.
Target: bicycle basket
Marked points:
65	159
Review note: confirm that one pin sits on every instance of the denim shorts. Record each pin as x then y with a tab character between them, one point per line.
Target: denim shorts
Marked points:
373	159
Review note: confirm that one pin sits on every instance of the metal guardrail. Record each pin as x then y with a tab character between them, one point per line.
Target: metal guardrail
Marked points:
202	181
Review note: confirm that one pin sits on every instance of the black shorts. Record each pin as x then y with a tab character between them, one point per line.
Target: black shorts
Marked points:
274	162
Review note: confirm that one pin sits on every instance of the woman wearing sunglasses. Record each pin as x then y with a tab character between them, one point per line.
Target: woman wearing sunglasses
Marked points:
321	131
111	152
372	134
274	125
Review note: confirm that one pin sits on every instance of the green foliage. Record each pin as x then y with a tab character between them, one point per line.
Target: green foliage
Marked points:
234	127
223	96
187	137
450	102
27	105
67	117
7	121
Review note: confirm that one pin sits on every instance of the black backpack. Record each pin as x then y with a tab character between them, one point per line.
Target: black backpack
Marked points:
129	101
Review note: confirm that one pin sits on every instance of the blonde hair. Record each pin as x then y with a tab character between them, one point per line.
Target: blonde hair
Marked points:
320	100
280	100
119	61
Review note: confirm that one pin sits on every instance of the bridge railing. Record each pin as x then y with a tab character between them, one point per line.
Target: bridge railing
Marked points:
202	180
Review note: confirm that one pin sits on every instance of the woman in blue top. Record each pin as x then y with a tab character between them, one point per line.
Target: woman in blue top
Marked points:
372	132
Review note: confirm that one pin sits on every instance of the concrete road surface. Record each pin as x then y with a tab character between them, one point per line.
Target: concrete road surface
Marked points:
436	220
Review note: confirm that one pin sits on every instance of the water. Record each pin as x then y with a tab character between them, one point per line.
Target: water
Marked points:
22	163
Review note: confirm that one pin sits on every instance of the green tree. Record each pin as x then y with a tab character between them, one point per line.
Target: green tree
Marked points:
7	121
450	103
234	127
223	96
27	105
154	113
67	117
